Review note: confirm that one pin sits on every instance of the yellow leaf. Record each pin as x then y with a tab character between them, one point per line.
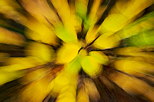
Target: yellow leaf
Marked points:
41	51
99	56
135	52
36	91
68	94
9	37
123	13
63	81
67	31
74	66
132	66
64	34
91	66
9	76
35	75
105	42
141	25
41	32
114	22
17	63
91	34
93	12
67	52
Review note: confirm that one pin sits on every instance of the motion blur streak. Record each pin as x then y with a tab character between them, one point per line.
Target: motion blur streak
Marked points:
76	50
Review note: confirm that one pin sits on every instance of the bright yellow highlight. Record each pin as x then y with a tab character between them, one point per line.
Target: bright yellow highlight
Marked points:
105	42
65	35
67	52
41	32
64	84
131	66
91	66
76	50
41	52
123	13
100	57
67	31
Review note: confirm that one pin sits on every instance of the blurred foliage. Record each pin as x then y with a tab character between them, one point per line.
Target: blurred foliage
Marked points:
76	50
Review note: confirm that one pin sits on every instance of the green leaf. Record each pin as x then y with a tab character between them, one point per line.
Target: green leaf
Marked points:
65	35
141	25
142	39
91	66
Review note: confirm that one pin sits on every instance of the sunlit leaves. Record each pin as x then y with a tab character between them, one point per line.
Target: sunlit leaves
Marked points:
67	94
132	66
142	39
35	75
65	34
81	8
91	66
112	22
99	56
38	90
123	13
68	49
105	42
74	66
136	52
17	63
65	83
93	16
41	51
41	32
37	54
68	29
9	37
91	34
67	52
62	82
143	24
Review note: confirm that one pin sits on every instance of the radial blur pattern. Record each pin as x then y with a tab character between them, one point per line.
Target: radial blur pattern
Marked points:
76	50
